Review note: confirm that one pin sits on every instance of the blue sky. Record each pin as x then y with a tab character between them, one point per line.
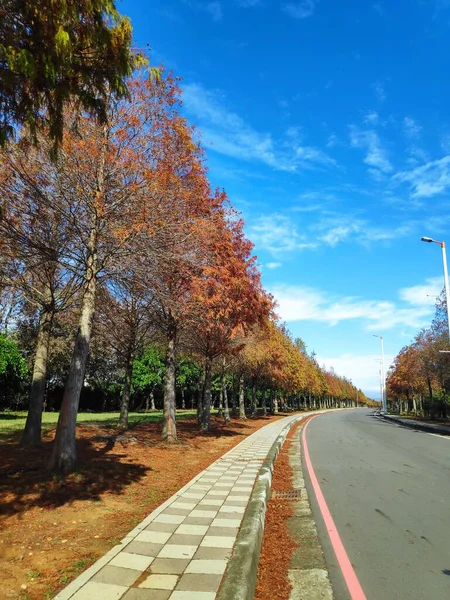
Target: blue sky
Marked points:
328	123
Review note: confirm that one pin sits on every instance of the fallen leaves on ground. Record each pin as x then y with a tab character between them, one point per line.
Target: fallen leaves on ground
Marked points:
278	545
53	528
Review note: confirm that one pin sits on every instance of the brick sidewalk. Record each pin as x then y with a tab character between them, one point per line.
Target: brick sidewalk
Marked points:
182	549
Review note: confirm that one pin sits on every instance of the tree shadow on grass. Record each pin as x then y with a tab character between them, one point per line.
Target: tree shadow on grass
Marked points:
110	461
25	482
5	416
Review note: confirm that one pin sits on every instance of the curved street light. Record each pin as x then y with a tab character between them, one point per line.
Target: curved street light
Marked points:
383	385
444	262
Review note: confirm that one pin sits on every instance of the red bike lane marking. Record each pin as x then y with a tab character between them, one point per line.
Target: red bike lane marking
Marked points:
351	580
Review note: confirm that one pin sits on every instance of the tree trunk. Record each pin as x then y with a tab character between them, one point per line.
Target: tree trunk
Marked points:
33	427
254	401
226	410
275	404
169	433
233	398
220	411
64	455
183	401
242	414
206	412
124	407
263	402
200	394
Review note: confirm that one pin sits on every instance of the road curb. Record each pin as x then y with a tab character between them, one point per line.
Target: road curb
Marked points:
418	425
239	581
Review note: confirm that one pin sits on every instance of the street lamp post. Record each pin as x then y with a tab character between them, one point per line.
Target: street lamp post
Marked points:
444	262
383	385
381	382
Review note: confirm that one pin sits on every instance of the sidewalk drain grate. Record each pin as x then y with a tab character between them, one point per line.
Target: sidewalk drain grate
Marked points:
286	494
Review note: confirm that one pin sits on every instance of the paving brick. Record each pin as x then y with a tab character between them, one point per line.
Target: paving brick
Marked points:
184	595
211	541
223	531
183	505
174	566
168	518
179	510
181	539
232	523
198	520
216	567
157	581
131	561
167	527
94	590
193	495
177	551
230	509
210	504
155	537
192	529
143	548
204	553
116	575
143	594
204	582
203	513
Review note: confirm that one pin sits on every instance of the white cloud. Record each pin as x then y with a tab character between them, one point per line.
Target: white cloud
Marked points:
273	265
215	10
227	133
424	294
332	140
300	10
276	233
411	128
380	92
337	229
371	118
309	154
427	180
297	303
362	369
368	139
379	9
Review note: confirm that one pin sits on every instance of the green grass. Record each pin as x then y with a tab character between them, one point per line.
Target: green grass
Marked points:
15	421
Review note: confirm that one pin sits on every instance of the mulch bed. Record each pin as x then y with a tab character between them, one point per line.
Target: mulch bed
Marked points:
278	545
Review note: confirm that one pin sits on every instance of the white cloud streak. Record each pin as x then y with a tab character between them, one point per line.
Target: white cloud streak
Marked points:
300	10
376	156
215	10
276	234
428	180
411	128
362	369
297	303
227	133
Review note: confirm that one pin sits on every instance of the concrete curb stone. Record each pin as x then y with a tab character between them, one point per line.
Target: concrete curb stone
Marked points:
418	425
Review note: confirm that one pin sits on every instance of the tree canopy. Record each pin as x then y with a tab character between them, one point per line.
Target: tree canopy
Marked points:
59	51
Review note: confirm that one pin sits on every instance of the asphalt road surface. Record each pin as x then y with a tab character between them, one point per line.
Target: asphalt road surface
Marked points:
388	491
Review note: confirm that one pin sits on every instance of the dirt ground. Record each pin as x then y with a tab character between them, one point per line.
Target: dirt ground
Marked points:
52	528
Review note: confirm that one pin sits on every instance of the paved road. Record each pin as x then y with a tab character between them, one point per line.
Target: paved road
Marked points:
388	491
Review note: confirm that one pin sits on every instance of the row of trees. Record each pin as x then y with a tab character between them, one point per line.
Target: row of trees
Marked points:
116	249
419	378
